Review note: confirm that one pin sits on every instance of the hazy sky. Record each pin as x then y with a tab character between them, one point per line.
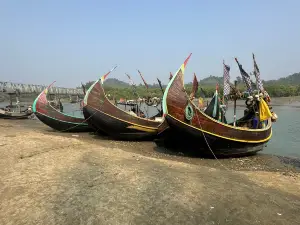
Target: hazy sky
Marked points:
77	41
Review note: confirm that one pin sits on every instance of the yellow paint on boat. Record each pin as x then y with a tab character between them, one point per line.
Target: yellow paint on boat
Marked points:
141	128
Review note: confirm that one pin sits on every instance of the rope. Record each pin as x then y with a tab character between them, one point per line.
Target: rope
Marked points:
206	139
79	123
75	125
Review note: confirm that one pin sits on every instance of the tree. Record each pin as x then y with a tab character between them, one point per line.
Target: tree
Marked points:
239	80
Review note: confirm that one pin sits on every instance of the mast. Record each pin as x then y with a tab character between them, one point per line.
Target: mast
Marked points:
162	90
234	106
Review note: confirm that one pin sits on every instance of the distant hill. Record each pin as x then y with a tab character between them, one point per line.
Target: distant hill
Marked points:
115	83
293	79
211	80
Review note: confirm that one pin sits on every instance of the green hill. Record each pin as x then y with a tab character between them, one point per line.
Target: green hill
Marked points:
286	86
115	83
293	79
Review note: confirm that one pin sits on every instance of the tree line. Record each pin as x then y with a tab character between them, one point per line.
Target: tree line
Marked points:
207	90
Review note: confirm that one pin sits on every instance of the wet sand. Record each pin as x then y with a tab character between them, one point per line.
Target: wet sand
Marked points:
48	177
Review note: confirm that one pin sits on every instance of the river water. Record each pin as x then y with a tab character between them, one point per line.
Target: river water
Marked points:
286	131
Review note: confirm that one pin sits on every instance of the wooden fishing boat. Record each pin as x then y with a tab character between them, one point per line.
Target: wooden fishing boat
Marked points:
55	119
116	122
6	114
195	130
15	111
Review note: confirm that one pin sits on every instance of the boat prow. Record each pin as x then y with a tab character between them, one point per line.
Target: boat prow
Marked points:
193	130
55	119
114	121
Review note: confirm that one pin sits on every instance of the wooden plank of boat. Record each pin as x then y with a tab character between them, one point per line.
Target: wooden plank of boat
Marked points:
201	132
114	121
56	119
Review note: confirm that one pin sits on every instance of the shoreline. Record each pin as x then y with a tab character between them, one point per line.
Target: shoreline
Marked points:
149	148
49	177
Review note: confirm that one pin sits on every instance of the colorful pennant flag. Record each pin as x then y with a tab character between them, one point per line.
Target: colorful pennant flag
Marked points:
259	83
200	103
46	90
226	77
245	76
185	62
264	111
143	79
182	67
195	87
105	75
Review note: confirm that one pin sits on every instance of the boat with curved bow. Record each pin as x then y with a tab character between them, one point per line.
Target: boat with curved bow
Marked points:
55	119
116	122
198	131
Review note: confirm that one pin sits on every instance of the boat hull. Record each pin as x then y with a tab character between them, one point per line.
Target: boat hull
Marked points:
63	126
117	128
55	119
180	137
14	116
192	130
119	124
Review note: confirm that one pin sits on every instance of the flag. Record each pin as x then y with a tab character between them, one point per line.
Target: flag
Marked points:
46	90
213	109
171	76
226	77
201	99
83	88
214	114
185	62
143	79
259	83
130	81
161	88
182	67
200	103
245	76
105	75
195	87
264	111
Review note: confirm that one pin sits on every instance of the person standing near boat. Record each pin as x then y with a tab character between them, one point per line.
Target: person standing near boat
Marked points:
61	108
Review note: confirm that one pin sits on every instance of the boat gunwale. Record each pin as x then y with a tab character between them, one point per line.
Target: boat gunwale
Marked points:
106	99
35	109
165	109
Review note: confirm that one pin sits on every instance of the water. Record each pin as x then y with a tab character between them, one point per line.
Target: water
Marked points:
286	131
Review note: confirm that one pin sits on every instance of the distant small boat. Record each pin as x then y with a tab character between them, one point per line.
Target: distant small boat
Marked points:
55	119
5	114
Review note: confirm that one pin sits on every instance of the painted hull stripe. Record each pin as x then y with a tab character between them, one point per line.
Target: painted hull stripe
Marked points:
152	128
84	124
216	135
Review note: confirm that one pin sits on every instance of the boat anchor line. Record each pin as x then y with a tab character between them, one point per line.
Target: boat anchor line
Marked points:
79	123
207	141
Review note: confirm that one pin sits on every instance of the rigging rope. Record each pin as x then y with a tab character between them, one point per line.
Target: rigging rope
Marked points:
205	136
83	122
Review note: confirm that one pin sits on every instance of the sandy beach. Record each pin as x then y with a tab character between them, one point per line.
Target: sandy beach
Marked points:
48	177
